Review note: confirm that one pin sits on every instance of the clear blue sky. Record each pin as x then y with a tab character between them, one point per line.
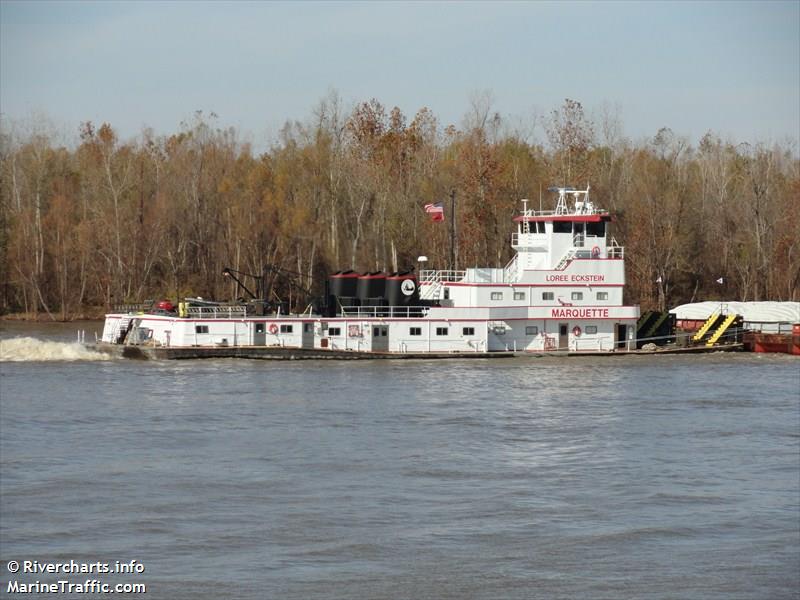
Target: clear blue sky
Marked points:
732	67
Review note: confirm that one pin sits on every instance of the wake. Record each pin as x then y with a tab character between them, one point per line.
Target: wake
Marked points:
24	349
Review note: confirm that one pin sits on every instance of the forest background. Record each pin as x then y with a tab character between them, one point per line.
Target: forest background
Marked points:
107	221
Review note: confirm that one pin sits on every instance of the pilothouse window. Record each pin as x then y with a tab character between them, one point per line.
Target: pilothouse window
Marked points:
596	229
562	227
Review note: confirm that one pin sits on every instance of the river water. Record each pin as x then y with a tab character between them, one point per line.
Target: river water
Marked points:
609	477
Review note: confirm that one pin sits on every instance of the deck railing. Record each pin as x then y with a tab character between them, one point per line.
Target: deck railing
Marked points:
216	312
390	312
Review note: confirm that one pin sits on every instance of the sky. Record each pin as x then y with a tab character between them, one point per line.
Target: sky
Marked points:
729	67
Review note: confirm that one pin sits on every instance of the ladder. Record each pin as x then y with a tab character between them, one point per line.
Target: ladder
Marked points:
721	330
510	272
706	327
122	325
433	287
567	257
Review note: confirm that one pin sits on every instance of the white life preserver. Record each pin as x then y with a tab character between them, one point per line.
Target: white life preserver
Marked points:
576	331
595	251
273	329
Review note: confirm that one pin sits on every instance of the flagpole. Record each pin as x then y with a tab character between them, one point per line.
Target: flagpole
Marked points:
453	265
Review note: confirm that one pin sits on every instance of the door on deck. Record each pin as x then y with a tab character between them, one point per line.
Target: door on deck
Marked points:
563	336
380	338
260	334
621	336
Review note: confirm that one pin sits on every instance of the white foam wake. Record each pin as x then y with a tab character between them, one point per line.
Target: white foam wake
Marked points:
22	349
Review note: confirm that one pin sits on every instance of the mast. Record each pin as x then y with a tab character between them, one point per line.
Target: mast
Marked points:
453	265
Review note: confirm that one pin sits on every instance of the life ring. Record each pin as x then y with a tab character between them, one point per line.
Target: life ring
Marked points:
273	329
595	251
576	331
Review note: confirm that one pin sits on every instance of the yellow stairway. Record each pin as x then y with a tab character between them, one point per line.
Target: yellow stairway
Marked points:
721	329
706	326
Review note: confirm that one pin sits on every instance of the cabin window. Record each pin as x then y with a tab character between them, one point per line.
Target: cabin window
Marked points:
531	330
562	227
602	295
260	328
376	332
286	328
468	331
547	296
540	227
307	327
415	331
497	295
596	229
446	293
384	331
577	295
591	329
519	295
201	328
334	331
442	331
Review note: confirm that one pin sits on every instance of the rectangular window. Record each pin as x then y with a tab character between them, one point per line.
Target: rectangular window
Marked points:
602	295
441	330
531	330
468	331
547	295
540	227
201	328
415	331
497	295
596	229
260	328
307	327
376	332
384	331
519	295
286	329
562	227
577	295
590	329
334	331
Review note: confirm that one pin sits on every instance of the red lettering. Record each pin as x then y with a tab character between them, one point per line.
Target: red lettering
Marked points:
579	313
588	278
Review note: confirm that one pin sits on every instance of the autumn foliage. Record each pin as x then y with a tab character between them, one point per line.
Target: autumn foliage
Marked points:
113	221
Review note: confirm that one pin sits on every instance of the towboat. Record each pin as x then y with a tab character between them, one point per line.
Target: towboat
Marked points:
561	292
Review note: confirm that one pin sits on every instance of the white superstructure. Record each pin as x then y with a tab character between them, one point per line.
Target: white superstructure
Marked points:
563	290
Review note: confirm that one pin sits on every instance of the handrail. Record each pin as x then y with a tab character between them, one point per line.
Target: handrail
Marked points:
216	312
432	275
394	312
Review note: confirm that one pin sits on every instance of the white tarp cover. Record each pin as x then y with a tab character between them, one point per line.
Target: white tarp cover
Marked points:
755	312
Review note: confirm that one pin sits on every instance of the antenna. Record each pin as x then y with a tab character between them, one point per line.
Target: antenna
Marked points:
540	196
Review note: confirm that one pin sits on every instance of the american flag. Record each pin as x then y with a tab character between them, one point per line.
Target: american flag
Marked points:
436	211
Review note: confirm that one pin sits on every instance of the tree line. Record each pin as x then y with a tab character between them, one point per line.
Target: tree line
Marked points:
108	221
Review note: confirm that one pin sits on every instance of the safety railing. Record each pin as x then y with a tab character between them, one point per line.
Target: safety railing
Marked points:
392	312
133	308
216	312
430	275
